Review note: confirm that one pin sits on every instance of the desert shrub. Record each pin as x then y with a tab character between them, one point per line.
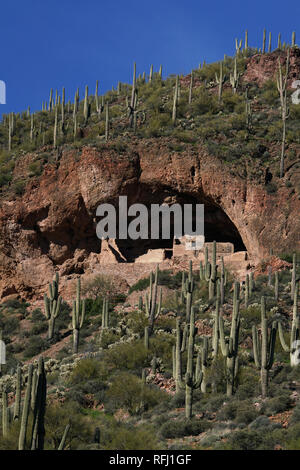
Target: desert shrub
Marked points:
216	374
175	428
126	391
141	284
40	327
63	320
246	412
37	316
136	321
19	187
35	168
100	286
166	322
277	404
215	402
178	400
88	369
245	440
161	346
108	337
10	325
15	306
128	356
228	411
57	417
34	346
250	316
248	383
131	438
264	422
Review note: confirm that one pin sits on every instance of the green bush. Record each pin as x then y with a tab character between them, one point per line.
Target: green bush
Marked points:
126	391
88	369
175	428
34	346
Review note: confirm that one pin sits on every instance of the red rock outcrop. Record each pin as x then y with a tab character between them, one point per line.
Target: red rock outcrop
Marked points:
52	226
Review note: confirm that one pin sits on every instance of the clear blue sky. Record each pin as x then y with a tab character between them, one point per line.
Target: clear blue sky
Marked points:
71	43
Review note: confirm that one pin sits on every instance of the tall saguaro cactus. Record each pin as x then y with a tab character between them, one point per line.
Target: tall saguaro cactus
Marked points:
106	122
5	413
220	81
86	105
191	87
175	101
293	280
263	349
52	305
55	128
234	77
25	411
294	333
78	313
38	427
229	347
153	308
17	407
282	89
180	347
193	378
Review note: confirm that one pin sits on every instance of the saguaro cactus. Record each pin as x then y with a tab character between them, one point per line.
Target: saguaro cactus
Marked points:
38	427
105	314
234	77
151	73
193	378
213	275
294	333
229	347
64	437
106	122
191	87
26	410
220	81
78	313
293	280
180	347
52	305
63	110
282	89
55	128
17	407
153	308
86	105
5	413
270	42
175	100
263	349
264	42
96	96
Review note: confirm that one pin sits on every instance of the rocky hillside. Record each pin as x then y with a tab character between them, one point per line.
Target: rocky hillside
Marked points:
99	355
214	153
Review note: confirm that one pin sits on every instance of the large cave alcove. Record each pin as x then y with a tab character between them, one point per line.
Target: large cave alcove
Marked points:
217	225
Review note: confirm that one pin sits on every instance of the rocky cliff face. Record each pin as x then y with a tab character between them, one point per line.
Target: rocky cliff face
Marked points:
53	225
